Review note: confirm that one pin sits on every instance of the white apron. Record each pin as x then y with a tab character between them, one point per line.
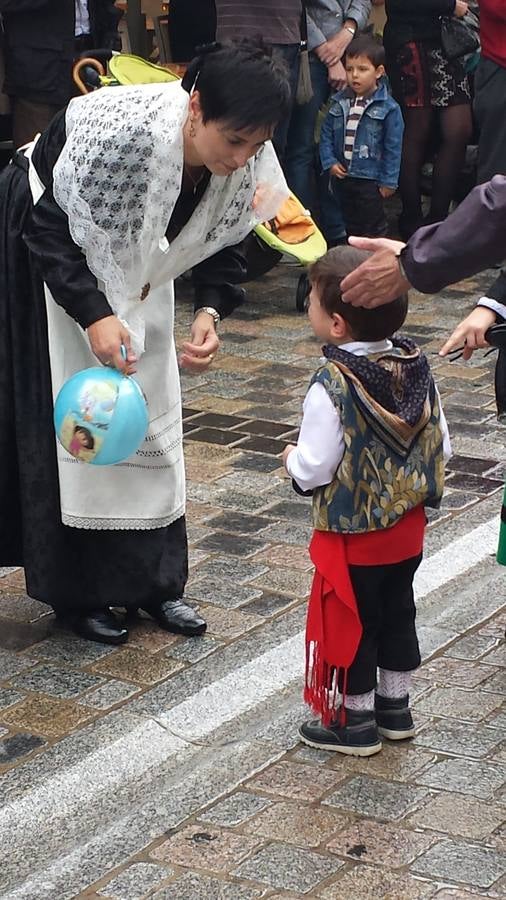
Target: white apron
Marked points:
148	489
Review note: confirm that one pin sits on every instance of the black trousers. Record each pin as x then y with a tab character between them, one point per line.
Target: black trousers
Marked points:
387	611
490	112
361	206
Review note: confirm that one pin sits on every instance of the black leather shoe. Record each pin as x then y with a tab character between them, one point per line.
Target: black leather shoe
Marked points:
176	616
100	625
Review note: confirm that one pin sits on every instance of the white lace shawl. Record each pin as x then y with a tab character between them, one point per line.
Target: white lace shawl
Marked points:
118	178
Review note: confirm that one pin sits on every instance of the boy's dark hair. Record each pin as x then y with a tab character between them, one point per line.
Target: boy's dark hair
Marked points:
364	324
369	46
242	83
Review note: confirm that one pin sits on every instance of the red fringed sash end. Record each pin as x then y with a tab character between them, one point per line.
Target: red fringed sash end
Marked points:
333	628
321	691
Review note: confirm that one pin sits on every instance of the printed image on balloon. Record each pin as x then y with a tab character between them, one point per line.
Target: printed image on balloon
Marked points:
101	416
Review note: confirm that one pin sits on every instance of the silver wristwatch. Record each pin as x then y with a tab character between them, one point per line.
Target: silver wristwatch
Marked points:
211	311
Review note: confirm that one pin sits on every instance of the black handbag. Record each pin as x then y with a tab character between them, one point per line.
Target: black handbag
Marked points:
460	37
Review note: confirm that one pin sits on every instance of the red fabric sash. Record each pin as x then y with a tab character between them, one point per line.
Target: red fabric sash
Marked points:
333	627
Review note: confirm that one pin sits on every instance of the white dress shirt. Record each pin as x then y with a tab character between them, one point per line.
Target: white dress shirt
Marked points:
320	447
82	18
494	305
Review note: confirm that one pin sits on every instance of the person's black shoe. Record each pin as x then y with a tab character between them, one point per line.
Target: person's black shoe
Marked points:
177	616
100	625
393	717
358	737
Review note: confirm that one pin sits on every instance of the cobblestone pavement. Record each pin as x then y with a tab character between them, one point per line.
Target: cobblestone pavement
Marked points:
170	768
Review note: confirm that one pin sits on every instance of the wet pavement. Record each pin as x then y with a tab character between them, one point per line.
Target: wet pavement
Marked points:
170	768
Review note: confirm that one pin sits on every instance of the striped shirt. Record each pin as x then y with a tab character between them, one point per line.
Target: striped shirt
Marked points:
354	116
276	22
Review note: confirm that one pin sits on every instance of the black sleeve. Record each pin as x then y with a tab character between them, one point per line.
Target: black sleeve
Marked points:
215	280
60	262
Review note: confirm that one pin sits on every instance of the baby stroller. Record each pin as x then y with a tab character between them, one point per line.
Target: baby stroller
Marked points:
292	232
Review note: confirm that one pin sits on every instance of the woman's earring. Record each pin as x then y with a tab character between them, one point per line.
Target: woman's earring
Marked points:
192	129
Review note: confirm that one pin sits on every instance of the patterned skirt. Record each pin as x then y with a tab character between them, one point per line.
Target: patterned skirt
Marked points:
421	76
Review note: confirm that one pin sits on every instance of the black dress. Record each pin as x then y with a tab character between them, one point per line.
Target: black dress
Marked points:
73	570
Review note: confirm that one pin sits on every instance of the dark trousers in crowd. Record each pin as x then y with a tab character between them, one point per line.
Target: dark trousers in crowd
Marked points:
361	205
291	56
490	113
302	165
29	119
386	607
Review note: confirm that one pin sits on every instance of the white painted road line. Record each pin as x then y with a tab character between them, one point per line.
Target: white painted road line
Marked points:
457	558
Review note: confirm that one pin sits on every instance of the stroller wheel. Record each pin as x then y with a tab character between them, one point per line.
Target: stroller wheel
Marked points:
301	293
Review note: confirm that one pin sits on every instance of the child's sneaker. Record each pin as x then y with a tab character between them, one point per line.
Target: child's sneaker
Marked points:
393	717
358	737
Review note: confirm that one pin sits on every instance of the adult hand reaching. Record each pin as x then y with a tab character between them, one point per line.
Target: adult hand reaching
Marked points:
198	354
379	279
470	333
335	47
106	337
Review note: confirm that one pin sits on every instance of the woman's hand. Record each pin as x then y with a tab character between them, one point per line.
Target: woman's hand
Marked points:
470	333
337	75
198	354
106	337
460	9
386	192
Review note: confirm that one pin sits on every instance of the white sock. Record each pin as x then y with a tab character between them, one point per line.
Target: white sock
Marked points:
360	702
393	685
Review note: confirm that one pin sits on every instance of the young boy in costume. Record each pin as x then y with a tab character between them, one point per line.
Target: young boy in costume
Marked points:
361	140
372	448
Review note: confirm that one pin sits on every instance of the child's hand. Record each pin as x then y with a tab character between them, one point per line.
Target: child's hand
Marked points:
386	192
338	170
470	333
286	452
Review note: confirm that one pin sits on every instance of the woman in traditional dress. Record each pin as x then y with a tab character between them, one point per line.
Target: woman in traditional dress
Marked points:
128	188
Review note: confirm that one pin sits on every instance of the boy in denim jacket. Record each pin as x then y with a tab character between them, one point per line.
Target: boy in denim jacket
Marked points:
361	140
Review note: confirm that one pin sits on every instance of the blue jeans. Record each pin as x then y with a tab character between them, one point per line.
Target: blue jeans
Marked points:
302	163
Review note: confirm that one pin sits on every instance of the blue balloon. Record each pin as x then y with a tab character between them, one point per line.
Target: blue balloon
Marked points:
101	416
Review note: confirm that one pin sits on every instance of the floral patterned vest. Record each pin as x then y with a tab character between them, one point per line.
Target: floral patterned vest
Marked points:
382	474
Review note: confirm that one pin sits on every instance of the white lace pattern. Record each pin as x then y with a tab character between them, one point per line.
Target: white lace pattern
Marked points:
118	178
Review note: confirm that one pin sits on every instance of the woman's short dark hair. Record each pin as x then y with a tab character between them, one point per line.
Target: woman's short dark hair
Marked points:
244	83
364	324
367	45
